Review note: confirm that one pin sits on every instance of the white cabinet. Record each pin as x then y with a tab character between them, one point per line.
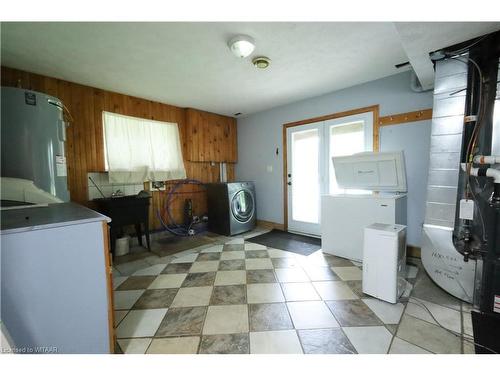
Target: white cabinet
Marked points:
344	217
384	261
56	279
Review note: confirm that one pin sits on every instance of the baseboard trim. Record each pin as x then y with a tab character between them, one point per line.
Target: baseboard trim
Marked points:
413	251
270	225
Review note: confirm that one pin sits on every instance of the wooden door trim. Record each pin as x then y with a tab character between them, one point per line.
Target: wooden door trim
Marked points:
285	179
108	264
373	108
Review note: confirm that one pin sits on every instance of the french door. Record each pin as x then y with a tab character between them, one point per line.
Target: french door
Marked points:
309	167
305	159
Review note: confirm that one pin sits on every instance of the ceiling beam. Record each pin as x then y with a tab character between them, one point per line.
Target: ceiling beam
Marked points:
422	65
418	39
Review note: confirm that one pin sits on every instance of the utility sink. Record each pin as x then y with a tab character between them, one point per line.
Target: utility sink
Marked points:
126	210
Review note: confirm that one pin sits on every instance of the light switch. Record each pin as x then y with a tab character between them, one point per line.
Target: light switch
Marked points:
269	168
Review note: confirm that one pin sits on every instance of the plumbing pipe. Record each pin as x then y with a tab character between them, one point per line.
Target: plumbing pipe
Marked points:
488	172
484	159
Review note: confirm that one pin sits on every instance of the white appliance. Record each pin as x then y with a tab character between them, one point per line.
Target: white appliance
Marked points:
344	216
17	192
56	272
33	136
384	261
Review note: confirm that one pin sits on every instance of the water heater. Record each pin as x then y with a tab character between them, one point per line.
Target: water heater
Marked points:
33	133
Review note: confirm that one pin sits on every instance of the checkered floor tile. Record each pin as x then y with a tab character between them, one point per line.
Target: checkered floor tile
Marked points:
240	297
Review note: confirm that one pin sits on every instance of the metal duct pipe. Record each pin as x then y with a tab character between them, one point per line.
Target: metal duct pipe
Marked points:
443	263
415	83
465	122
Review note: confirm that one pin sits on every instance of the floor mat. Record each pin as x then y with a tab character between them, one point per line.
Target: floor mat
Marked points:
294	243
171	245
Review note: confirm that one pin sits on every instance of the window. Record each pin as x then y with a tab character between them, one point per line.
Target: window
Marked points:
138	150
346	136
345	139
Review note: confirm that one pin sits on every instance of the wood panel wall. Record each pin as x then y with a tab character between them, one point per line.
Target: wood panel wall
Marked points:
210	137
85	148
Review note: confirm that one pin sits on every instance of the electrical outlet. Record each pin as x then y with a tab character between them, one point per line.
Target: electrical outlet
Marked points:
157	185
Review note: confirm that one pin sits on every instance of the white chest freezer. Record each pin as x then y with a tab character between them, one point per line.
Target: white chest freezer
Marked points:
344	216
384	261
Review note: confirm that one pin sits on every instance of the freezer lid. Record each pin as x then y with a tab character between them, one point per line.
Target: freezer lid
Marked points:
378	171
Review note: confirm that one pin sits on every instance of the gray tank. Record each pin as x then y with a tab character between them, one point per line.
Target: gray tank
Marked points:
33	133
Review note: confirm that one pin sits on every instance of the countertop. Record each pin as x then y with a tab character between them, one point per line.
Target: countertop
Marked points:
50	216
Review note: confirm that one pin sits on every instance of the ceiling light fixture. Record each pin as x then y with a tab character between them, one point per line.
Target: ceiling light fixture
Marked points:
261	62
241	46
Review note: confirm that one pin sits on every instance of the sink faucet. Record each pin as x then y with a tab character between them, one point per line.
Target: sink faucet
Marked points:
117	193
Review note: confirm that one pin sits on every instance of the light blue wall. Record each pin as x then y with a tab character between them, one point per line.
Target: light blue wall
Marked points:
260	134
404	137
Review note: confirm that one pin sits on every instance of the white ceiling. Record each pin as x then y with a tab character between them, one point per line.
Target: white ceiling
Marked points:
190	65
420	38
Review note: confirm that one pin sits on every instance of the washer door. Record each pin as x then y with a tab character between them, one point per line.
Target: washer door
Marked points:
242	206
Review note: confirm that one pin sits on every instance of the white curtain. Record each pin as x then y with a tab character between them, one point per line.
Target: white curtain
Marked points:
138	150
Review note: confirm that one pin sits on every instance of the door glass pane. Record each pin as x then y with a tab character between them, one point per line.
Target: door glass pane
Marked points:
305	176
345	139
